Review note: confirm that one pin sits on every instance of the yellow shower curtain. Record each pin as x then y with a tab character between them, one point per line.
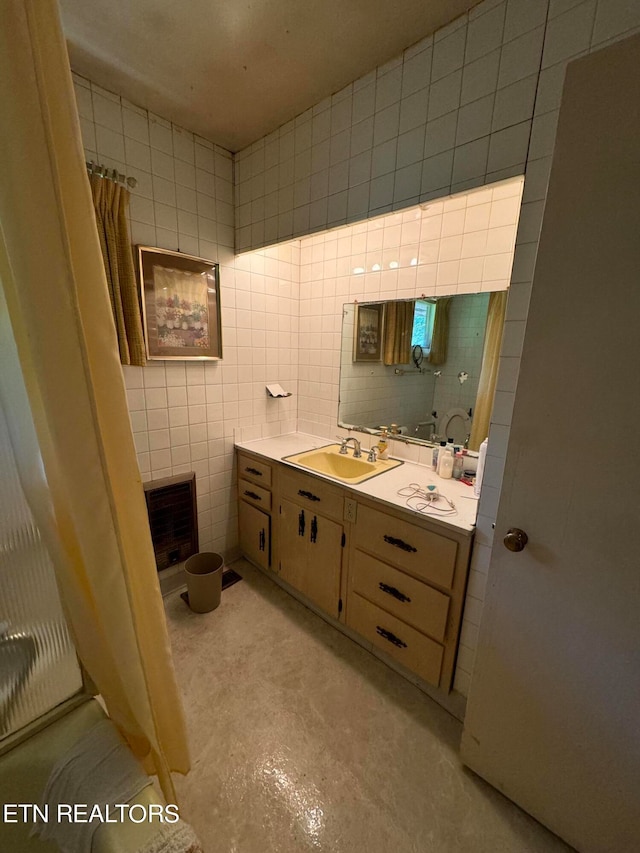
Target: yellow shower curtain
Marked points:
398	327
489	369
110	203
62	389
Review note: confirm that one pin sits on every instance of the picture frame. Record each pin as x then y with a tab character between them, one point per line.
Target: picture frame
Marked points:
367	333
180	297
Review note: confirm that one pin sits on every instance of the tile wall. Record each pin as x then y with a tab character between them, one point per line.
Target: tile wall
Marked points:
477	101
184	414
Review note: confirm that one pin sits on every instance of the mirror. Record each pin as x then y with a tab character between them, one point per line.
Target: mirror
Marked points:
418	364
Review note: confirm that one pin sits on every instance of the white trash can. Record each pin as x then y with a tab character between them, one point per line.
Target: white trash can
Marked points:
204	581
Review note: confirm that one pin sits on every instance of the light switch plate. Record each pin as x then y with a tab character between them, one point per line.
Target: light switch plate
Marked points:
350	510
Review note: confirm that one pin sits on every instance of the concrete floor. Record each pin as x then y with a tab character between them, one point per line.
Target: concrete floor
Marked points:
303	741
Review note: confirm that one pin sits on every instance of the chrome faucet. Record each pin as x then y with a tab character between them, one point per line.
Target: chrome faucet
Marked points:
356	446
373	454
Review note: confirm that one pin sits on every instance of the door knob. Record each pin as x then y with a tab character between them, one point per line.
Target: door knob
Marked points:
516	539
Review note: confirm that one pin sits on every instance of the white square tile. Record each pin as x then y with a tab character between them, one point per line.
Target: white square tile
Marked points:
471	270
109	144
470	160
162	164
521	57
436	172
386	124
450	248
407	182
509	147
84	101
416	72
448	54
440	134
388	88
523	16
413	110
504	212
614	18
479	78
569	34
156	398
497	267
160	136
485	33
107	112
477	218
453	222
474	120
444	95
514	104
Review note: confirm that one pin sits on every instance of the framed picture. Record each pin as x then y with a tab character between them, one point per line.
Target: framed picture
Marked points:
180	305
367	335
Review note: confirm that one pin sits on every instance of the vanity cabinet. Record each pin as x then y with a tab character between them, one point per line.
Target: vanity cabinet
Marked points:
405	590
395	578
311	539
254	509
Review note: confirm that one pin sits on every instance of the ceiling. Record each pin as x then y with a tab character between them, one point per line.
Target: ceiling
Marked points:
234	70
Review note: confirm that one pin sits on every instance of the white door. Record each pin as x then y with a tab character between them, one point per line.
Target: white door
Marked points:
553	719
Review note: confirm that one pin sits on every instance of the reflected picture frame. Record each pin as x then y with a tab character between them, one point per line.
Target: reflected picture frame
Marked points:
180	296
367	331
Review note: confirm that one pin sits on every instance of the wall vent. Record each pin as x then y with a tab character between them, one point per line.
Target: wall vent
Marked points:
173	518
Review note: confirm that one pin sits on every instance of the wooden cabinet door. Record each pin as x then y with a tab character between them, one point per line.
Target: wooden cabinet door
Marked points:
310	554
292	542
322	581
255	534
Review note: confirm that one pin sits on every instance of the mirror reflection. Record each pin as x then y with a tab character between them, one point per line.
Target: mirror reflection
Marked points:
425	368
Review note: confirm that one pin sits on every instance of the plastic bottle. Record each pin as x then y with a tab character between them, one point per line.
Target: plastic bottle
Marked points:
458	465
481	457
446	465
383	445
437	455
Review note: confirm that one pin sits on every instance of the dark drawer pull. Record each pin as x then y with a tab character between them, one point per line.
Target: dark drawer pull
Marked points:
253	471
391	637
301	523
398	543
262	540
313	536
308	495
253	496
391	590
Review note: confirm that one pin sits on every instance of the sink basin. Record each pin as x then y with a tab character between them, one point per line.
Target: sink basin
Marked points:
344	467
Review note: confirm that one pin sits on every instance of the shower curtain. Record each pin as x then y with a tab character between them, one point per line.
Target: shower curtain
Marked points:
489	369
63	393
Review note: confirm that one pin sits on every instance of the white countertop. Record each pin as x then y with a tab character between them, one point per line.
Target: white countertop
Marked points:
383	487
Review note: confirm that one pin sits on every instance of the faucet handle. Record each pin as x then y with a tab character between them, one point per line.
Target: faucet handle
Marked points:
343	444
373	454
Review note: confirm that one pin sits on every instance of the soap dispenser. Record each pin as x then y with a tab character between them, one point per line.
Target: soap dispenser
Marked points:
383	444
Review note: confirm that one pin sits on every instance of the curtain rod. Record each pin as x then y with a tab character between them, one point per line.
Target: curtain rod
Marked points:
109	174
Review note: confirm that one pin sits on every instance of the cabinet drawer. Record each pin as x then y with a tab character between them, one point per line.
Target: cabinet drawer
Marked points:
421	552
254	494
401	642
257	472
308	491
410	600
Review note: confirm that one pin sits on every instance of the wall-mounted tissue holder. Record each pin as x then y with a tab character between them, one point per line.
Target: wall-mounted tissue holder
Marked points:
276	390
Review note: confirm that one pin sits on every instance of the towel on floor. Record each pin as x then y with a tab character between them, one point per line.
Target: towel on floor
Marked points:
98	769
176	838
